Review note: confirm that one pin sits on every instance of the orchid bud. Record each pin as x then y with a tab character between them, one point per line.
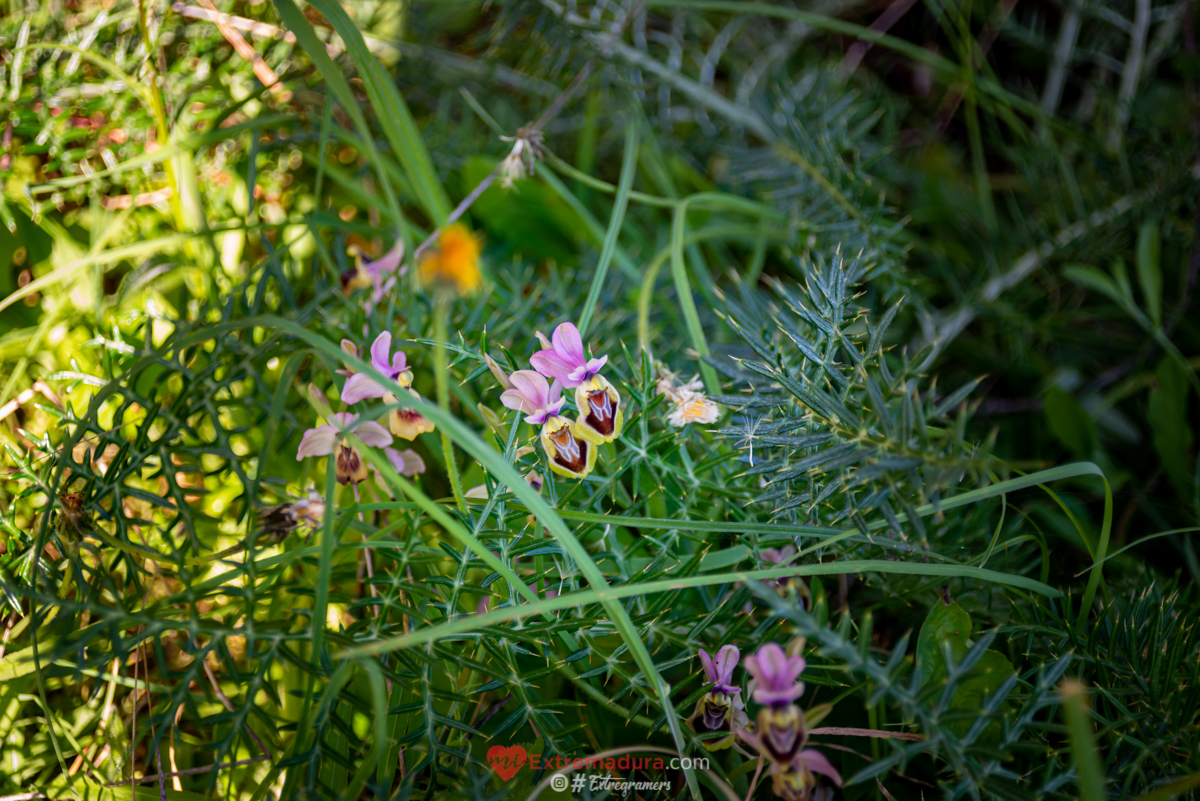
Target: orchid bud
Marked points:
500	375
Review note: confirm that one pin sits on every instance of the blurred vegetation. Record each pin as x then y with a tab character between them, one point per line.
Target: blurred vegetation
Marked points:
936	262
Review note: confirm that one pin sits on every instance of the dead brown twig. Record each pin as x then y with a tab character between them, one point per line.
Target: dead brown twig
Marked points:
262	71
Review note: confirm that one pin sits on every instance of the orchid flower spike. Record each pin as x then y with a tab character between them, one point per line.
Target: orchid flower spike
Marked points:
361	386
533	396
565	359
333	437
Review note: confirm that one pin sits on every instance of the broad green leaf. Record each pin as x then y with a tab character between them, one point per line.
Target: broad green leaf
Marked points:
985	678
1149	269
1168	414
530	215
1070	422
1121	279
1094	280
947	623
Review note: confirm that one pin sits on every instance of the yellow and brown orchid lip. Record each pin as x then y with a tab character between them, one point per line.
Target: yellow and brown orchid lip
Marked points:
601	413
350	466
718	712
408	423
569	453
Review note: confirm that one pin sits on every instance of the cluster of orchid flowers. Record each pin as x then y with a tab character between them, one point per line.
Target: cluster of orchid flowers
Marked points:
570	445
780	732
334	436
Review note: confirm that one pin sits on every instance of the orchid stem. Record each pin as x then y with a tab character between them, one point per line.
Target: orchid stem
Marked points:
441	371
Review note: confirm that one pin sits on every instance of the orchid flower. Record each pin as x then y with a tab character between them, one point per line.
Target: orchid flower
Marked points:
601	413
780	735
407	463
333	437
361	386
782	731
777	675
565	359
719	671
720	709
533	396
781	557
387	265
795	781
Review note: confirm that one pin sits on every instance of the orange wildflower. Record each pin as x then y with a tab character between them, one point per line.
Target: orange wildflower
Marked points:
456	261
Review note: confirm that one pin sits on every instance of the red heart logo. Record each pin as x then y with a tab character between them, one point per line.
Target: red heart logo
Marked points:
507	761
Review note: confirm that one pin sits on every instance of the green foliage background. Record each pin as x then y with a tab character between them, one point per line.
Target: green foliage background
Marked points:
943	288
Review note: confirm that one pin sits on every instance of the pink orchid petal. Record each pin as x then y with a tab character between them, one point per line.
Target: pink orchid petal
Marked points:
349	348
816	762
373	434
343	421
513	399
359	387
407	462
381	350
568	343
317	441
727	659
388	262
710	672
533	387
399	364
552	365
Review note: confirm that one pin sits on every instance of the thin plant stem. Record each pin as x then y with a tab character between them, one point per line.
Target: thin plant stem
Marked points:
441	370
367	553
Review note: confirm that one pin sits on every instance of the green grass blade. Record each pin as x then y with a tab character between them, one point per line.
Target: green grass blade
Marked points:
595	229
608	594
307	38
628	168
683	287
394	117
1088	770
